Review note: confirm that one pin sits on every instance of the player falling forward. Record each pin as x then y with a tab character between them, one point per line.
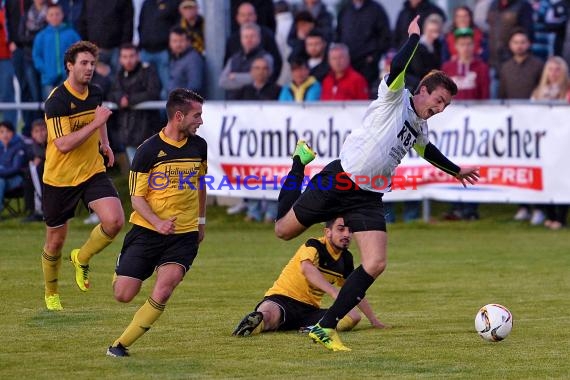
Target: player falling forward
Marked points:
393	124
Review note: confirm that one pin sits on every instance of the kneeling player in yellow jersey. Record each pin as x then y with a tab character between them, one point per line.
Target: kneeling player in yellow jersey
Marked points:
294	300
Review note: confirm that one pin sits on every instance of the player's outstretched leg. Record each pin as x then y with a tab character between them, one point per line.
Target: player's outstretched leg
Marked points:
291	189
251	324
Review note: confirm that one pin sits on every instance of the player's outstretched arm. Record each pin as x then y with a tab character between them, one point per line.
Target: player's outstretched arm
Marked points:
316	279
404	56
433	155
366	309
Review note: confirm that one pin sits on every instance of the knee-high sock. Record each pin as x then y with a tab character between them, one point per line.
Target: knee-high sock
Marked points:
291	189
50	266
141	323
97	241
346	324
350	295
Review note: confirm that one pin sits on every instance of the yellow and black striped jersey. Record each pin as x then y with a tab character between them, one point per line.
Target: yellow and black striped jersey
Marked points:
68	111
167	174
334	265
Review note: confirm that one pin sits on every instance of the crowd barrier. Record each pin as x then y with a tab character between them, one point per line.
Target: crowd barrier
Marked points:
520	148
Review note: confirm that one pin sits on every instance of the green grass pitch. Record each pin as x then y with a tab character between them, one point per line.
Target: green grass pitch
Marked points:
438	276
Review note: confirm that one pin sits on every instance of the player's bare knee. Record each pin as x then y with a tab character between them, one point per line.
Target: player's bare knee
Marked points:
375	267
124	296
112	226
281	232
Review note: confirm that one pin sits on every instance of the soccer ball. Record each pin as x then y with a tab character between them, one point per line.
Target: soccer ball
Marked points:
493	322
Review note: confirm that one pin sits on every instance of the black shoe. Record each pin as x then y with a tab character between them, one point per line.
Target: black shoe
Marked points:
249	324
118	352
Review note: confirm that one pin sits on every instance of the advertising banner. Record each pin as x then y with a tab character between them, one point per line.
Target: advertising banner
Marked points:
519	149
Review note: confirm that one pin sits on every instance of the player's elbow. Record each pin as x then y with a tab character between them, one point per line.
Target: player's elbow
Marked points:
62	146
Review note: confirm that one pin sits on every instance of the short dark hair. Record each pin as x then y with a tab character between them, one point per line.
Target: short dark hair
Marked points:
297	61
305	16
316	33
329	223
79	47
179	99
53	5
179	30
129	46
8	125
519	30
435	79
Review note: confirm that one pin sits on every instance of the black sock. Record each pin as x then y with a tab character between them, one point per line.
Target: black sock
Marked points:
350	295
291	189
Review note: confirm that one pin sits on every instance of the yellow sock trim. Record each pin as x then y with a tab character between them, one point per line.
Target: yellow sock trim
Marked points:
96	242
50	266
345	324
141	323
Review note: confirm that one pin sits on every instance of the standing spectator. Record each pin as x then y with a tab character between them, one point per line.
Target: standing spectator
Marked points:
471	75
411	9
503	17
303	86
236	72
520	74
550	18
33	181
193	23
49	47
284	22
304	24
156	19
343	82
12	160
25	19
108	24
429	51
136	82
186	65
316	52
6	69
246	14
554	85
71	10
518	78
264	9
364	27
264	89
463	19
323	18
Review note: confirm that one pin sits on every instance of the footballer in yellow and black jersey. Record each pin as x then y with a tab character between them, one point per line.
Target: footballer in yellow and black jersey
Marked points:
335	265
67	111
167	174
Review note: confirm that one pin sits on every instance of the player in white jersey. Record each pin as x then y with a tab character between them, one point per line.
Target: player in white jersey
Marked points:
353	185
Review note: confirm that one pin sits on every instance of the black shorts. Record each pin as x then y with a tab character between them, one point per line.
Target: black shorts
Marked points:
331	193
294	314
59	203
145	250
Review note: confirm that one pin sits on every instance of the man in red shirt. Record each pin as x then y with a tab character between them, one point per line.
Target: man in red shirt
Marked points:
6	69
469	72
343	82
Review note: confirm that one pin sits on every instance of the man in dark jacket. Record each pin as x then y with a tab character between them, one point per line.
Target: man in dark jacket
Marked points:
364	27
156	19
135	83
411	9
108	24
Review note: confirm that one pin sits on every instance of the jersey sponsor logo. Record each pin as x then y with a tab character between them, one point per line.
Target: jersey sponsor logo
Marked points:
162	153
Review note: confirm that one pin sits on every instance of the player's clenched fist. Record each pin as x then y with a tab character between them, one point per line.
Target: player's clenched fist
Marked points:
102	114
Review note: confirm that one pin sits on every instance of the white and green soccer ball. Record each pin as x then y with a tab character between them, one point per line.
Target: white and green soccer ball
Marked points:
493	322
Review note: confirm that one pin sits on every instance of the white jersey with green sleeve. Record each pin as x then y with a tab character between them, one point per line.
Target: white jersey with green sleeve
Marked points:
390	128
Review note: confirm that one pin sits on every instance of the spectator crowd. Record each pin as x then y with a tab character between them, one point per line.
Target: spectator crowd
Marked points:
291	51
